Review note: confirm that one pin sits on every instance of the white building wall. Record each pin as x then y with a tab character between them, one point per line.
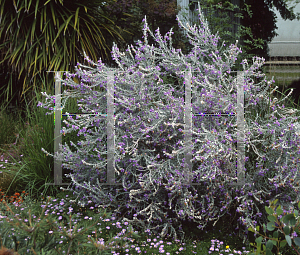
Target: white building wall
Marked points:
287	43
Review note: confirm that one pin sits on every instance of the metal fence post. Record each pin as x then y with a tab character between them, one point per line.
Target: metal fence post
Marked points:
188	143
240	126
110	131
57	134
241	130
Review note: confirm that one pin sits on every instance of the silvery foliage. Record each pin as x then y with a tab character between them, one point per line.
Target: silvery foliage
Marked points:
149	117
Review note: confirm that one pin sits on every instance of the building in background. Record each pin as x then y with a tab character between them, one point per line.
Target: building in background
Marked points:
287	42
284	52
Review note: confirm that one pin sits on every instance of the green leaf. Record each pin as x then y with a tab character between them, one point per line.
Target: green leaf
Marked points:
15	53
296	213
41	20
270	226
67	22
58	33
264	227
269	210
53	16
76	17
36	7
288	239
279	211
20	55
44	54
25	42
36	53
293	220
297	241
271	218
47	2
32	31
283	243
269	252
275	234
29	4
258	240
251	229
289	219
1	14
269	245
286	230
274	241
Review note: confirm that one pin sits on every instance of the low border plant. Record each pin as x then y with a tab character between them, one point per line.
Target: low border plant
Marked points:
285	225
53	227
40	232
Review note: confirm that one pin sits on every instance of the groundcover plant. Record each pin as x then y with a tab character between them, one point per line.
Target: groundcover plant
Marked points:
149	134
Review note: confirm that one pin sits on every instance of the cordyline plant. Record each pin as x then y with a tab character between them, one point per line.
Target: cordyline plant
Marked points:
149	122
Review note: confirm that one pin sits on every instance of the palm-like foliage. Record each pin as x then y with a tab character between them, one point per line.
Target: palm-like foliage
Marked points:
36	36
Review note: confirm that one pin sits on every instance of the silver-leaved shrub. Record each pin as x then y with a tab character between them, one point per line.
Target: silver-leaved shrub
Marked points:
149	134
